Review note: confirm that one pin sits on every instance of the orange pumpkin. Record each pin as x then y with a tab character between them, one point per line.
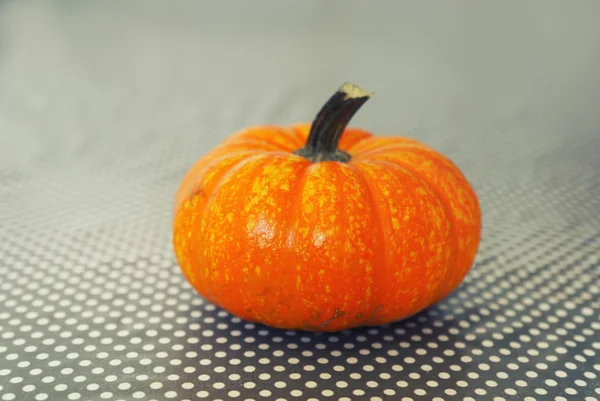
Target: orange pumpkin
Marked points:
320	227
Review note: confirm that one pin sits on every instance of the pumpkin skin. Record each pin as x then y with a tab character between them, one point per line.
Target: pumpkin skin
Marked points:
275	238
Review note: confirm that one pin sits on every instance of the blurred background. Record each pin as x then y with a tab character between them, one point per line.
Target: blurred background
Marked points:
105	105
509	90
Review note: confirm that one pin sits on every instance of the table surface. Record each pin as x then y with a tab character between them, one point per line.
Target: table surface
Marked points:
105	105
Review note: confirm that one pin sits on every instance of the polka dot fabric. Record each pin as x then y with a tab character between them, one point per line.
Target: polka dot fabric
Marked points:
76	327
93	306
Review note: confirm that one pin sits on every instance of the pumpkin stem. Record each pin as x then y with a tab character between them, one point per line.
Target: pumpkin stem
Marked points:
330	123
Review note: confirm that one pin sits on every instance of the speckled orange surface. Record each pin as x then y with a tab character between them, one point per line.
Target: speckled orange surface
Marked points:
274	238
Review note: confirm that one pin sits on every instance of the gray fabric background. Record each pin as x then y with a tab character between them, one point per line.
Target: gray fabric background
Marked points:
105	105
